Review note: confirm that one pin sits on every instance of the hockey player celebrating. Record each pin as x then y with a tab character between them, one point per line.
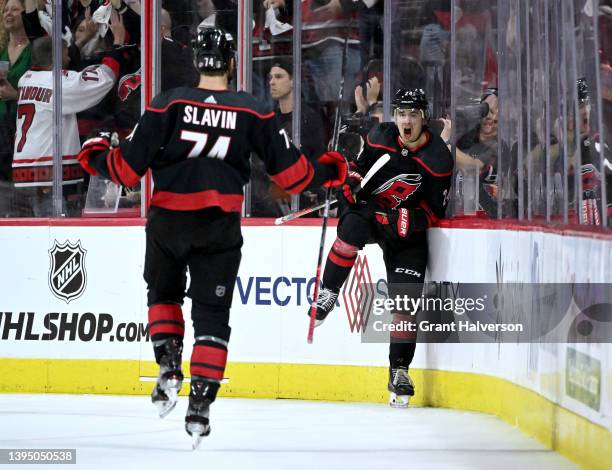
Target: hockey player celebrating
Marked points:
405	197
197	143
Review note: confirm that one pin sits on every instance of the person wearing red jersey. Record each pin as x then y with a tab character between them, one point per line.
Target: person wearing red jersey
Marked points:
404	198
197	143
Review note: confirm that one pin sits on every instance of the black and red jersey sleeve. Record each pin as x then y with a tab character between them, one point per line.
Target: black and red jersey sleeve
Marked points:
287	166
126	164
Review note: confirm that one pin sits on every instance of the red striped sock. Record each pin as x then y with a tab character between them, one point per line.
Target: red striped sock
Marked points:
166	319
208	362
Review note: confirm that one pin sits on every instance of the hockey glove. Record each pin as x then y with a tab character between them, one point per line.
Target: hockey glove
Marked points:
396	223
348	190
339	164
101	142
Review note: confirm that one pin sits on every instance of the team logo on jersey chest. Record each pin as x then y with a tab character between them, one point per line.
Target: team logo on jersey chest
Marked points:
67	275
396	190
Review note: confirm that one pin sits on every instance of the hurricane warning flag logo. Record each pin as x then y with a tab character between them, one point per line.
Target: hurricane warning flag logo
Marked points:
67	275
358	295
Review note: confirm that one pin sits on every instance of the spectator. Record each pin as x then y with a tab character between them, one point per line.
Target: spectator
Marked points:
370	30
268	199
370	90
434	55
272	41
326	24
15	58
17	53
87	42
177	61
221	13
32	162
281	90
479	147
165	24
588	160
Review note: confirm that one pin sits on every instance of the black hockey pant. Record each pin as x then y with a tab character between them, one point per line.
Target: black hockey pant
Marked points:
207	243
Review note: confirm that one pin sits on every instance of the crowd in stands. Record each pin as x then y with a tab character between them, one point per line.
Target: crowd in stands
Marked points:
341	42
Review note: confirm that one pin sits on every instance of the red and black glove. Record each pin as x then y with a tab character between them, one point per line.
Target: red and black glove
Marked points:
349	189
396	222
101	142
339	166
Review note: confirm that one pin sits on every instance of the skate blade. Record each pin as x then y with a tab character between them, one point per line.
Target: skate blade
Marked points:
399	401
198	432
196	438
164	407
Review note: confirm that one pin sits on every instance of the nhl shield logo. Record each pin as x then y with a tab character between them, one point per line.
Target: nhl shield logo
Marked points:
67	275
220	291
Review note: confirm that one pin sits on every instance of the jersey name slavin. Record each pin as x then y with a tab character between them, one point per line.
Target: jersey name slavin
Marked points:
210	117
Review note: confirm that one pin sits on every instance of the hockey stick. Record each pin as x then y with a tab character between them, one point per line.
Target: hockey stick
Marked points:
334	146
301	213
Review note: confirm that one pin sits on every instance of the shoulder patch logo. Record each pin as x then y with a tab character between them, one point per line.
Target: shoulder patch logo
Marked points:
67	275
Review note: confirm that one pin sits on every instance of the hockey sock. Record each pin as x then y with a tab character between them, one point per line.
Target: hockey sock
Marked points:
208	360
339	263
402	342
166	320
401	354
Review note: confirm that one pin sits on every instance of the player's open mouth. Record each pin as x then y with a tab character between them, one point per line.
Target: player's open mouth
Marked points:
407	132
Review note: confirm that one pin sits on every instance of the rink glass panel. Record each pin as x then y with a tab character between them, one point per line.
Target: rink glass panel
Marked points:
270	75
533	52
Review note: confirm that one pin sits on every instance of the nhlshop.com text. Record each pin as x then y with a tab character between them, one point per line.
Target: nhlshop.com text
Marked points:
55	326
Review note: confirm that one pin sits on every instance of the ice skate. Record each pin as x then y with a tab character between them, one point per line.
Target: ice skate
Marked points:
196	420
170	380
401	387
326	301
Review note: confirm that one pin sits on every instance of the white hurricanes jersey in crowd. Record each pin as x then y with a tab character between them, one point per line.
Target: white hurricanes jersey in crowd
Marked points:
33	153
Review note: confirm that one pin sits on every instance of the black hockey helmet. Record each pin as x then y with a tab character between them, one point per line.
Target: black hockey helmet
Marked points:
413	98
583	90
212	49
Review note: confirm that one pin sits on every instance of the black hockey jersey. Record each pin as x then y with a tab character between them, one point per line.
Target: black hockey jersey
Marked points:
197	144
417	179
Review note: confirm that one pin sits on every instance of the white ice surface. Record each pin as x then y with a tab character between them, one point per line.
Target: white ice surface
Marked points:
113	432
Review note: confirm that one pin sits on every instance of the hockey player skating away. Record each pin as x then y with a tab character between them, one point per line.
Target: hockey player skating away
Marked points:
197	142
405	197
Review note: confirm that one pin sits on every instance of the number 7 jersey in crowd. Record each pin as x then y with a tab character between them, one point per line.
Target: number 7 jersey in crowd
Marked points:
33	153
197	143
